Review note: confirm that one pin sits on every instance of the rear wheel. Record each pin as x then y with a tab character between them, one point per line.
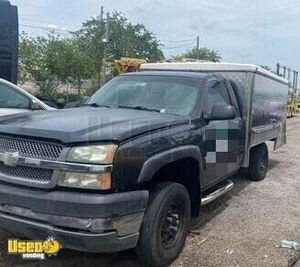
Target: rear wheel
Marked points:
165	225
258	164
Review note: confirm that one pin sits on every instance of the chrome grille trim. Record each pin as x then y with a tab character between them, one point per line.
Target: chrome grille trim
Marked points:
30	148
60	165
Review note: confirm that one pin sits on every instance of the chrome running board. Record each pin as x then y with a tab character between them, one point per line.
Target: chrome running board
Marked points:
219	192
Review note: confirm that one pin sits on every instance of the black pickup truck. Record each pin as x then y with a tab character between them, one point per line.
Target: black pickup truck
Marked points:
130	168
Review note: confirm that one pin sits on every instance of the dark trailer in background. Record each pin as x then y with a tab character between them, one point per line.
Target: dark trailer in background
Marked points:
8	41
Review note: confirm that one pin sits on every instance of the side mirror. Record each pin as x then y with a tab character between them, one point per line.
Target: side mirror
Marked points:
223	112
36	106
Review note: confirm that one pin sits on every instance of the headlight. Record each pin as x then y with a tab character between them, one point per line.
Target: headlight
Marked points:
86	180
102	154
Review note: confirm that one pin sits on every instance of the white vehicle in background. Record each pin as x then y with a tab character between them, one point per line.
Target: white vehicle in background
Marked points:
15	100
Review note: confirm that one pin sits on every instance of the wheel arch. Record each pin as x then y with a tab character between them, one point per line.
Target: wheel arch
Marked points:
181	165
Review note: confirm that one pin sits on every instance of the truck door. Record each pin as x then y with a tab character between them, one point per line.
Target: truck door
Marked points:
222	138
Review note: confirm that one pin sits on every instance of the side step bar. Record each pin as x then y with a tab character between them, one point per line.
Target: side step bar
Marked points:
219	192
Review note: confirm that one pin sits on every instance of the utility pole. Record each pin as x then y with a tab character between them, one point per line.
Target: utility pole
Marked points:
295	81
101	14
105	41
278	69
100	47
198	43
284	71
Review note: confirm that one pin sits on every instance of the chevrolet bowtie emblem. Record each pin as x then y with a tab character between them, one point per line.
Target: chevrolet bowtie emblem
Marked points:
11	158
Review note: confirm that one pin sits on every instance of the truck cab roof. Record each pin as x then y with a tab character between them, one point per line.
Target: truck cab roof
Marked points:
186	74
210	67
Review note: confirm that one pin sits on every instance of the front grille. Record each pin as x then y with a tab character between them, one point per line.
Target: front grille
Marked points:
30	148
26	173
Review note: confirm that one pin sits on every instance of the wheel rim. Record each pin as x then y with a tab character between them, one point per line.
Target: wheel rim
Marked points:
172	225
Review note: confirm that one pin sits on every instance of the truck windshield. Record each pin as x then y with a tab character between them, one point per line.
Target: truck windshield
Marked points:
164	94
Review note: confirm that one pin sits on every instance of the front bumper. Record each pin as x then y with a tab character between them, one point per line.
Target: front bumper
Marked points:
105	242
81	221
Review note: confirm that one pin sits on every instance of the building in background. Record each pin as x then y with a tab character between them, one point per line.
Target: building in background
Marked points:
9	31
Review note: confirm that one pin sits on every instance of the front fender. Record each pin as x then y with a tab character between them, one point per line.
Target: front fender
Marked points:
153	164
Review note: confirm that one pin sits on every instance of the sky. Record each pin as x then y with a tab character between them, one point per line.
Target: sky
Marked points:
261	32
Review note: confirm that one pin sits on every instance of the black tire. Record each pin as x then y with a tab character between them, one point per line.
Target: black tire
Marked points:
169	206
258	165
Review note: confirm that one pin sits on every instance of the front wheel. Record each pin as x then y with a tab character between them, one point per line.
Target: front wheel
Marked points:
165	225
258	164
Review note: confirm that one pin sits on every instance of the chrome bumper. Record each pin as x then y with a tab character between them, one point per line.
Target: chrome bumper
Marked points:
83	221
82	241
122	225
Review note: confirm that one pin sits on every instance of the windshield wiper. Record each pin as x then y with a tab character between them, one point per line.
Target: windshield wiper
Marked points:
95	105
140	108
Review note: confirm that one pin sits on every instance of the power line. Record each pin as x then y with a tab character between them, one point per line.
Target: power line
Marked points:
177	47
68	31
43	28
177	41
44	22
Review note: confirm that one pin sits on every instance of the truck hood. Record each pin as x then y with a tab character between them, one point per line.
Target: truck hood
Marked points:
88	124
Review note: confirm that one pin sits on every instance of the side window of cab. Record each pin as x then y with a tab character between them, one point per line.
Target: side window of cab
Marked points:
217	94
11	98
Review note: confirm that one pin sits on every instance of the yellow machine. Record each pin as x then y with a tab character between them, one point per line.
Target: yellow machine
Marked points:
125	64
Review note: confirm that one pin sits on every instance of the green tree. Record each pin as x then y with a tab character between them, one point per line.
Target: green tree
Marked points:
200	54
125	40
53	60
129	40
34	57
70	63
23	74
